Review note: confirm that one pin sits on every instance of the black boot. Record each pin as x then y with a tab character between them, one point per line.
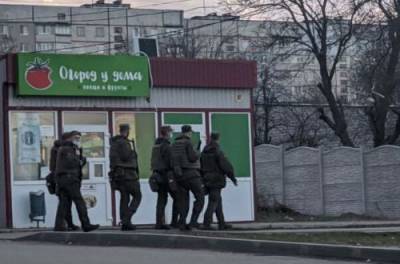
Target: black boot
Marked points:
224	226
90	228
73	228
207	227
194	225
184	227
60	229
162	227
174	225
128	227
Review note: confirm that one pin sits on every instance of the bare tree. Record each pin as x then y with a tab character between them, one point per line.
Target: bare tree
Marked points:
322	28
381	69
7	44
200	40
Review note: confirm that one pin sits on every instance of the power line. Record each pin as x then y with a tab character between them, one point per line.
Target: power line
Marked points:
108	10
56	16
169	34
105	42
164	3
185	30
165	34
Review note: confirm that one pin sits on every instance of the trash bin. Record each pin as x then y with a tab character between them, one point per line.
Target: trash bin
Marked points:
38	207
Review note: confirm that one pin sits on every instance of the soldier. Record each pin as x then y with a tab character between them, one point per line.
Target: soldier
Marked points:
53	160
186	162
215	167
125	175
161	164
68	177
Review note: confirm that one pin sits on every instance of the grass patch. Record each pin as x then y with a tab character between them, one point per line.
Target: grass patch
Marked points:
284	214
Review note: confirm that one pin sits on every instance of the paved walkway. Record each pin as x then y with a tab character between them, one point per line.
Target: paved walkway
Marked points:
292	227
32	253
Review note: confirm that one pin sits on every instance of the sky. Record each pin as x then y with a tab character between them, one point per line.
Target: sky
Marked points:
212	5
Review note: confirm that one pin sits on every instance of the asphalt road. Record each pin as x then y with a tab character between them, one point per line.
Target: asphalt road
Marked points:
33	253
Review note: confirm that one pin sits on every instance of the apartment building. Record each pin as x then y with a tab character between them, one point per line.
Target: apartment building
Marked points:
232	37
109	28
100	28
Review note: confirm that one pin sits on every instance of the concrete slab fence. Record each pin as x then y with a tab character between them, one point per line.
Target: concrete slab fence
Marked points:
343	180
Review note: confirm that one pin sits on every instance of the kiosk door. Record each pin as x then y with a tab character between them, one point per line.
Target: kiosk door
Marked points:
95	186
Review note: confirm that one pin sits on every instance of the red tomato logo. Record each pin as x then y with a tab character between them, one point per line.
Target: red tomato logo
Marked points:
38	74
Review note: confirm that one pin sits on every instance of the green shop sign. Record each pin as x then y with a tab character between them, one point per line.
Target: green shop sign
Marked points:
82	75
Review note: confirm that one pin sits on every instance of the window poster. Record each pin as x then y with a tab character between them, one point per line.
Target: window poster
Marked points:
28	138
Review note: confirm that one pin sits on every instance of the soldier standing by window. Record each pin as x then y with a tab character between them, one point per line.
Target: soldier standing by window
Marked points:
186	162
161	165
124	175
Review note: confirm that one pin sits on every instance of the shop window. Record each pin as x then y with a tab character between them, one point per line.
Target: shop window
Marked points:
143	131
93	144
179	119
94	130
32	137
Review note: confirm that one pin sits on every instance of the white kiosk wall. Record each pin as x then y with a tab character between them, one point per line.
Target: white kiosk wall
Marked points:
29	164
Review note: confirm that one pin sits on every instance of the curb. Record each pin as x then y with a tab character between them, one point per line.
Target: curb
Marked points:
305	226
218	244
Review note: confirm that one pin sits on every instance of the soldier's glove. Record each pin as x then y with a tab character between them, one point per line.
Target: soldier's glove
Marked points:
83	161
199	145
235	182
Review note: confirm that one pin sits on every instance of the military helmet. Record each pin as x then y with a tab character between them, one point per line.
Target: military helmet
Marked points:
124	127
186	129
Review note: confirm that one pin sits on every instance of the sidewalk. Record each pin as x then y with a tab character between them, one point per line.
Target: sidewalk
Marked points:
146	236
271	227
186	240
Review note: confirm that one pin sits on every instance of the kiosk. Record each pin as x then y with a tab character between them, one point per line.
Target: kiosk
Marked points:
45	95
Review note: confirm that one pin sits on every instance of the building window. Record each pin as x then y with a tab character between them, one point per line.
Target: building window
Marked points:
63	30
344	82
119	47
61	16
136	32
230	48
118	30
23	47
32	137
100	33
43	29
44	46
4	30
80	31
343	74
118	38
23	30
